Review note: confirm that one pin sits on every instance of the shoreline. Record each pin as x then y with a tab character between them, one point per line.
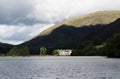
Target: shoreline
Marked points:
51	56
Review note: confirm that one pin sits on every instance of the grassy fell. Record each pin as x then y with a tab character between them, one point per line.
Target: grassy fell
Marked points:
100	17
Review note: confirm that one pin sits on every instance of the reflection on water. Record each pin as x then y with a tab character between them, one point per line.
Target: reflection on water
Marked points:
59	68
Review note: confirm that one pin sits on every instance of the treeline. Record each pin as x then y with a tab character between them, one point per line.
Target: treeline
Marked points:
110	48
25	51
22	51
96	47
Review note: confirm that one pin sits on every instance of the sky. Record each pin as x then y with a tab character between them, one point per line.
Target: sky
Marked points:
20	20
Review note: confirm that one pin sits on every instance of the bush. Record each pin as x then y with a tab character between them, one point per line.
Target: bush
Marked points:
56	52
23	51
14	52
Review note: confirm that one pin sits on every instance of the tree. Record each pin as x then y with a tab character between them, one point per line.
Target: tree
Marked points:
86	49
77	52
113	46
24	51
97	41
43	51
14	51
56	52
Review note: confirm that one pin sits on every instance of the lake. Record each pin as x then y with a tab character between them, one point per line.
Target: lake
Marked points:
59	68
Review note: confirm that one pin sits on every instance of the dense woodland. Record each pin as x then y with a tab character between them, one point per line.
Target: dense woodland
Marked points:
110	48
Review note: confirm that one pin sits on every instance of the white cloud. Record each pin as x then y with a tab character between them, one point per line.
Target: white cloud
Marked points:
17	34
57	10
105	5
50	11
12	42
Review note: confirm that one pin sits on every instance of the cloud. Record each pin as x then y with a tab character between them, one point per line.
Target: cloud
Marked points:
105	5
20	20
13	12
17	34
29	12
57	10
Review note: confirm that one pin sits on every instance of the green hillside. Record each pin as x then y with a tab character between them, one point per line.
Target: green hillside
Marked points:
100	17
73	33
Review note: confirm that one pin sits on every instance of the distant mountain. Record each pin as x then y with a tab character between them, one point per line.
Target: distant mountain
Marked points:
74	32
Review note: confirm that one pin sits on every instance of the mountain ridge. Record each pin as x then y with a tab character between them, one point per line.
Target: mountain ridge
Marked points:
99	17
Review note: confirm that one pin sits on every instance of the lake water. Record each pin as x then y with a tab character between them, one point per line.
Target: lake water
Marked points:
59	68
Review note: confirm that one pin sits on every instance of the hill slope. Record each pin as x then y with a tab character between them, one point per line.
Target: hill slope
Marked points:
4	48
100	17
69	36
